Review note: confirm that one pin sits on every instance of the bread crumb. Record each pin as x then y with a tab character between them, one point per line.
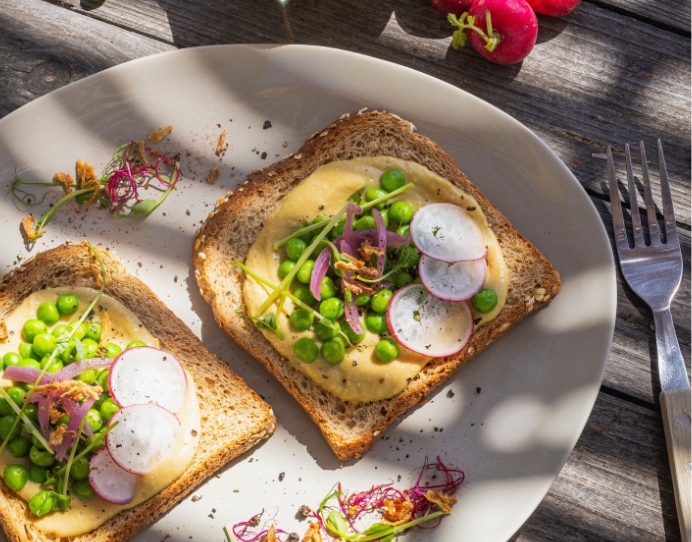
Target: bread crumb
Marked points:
221	145
213	175
157	135
285	144
28	225
267	124
196	498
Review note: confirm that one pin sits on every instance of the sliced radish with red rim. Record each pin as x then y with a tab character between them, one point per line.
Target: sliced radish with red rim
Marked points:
148	375
444	231
109	481
428	325
453	282
144	434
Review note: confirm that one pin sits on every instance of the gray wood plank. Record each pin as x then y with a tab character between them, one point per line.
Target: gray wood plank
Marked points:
44	47
615	486
596	77
669	14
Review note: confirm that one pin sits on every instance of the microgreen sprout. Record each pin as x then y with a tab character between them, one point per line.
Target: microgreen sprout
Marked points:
118	189
340	513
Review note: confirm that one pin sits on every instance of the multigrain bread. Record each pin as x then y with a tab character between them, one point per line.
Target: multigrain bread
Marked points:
233	417
230	230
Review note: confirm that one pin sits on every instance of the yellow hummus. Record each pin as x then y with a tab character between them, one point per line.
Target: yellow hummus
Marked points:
86	515
361	377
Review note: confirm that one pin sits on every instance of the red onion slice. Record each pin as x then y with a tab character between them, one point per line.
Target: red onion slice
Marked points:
319	271
348	226
26	374
351	311
75	420
381	240
393	239
75	369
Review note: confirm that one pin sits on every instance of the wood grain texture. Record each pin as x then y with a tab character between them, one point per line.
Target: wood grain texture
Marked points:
668	14
675	409
44	47
616	485
579	90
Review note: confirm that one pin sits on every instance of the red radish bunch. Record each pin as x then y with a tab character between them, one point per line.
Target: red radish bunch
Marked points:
503	31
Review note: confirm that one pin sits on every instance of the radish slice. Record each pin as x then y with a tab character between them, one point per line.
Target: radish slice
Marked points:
147	375
109	481
444	231
427	325
453	282
142	437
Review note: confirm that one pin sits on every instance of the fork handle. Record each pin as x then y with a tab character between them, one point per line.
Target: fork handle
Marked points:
675	408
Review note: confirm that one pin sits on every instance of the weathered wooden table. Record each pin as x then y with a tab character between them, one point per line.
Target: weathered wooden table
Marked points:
611	72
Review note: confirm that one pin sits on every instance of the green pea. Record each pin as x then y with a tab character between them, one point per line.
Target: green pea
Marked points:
42	503
31	363
401	212
91	348
31	412
387	350
332	308
285	268
16	476
402	279
80	469
67	304
48	312
102	379
336	231
44	344
63	420
409	257
66	356
319	248
6	423
55	365
327	289
376	323
31	328
302	319
324	331
404	230
42	458
94	419
333	351
112	350
485	300
303	293
11	359
135	344
380	301
385	217
27	352
295	247
306	349
60	330
62	502
354	337
305	272
363	299
319	218
5	409
20	446
94	330
376	193
89	376
366	222
80	331
38	475
392	179
98	436
37	443
83	489
16	394
107	409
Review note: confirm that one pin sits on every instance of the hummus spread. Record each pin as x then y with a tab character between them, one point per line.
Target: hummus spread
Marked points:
361	377
86	515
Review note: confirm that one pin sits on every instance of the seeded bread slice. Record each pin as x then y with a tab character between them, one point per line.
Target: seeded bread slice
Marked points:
233	417
230	230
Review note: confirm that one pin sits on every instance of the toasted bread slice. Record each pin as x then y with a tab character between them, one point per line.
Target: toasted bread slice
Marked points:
233	417
229	232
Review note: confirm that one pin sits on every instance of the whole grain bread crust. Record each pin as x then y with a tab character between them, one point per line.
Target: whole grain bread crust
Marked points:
230	230
233	417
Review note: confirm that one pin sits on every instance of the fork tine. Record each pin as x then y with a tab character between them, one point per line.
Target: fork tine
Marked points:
615	206
648	197
668	212
634	204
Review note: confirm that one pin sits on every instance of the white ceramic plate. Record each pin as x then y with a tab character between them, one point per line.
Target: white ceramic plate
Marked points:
516	411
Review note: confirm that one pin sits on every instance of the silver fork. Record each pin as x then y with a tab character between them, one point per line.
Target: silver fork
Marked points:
654	272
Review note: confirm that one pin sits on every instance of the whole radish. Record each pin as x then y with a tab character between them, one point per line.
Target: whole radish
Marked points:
554	8
503	31
451	6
